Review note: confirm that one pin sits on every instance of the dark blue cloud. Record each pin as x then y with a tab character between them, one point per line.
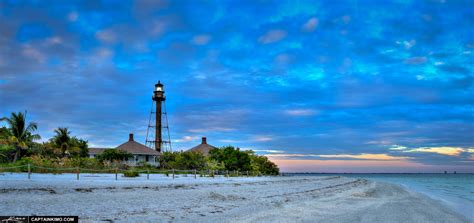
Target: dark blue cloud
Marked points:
302	77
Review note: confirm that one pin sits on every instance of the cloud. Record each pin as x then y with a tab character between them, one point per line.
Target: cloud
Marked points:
72	16
409	44
366	156
346	19
33	53
100	55
158	27
368	166
53	40
398	147
349	94
443	150
186	139
362	156
416	60
262	138
107	36
230	141
211	129
266	150
310	25
272	36
201	39
301	112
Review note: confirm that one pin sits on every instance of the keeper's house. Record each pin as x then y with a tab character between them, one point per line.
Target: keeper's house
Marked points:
140	152
203	148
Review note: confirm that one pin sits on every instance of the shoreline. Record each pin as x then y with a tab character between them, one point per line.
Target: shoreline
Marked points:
240	199
448	202
440	191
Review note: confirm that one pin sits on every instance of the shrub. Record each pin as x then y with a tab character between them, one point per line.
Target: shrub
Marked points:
114	155
232	158
131	173
261	164
6	153
182	160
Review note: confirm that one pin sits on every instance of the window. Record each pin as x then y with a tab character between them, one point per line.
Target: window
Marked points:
146	158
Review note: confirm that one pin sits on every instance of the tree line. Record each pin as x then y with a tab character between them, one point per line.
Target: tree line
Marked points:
17	141
224	158
18	146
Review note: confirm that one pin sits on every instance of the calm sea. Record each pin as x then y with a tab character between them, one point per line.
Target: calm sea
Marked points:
454	190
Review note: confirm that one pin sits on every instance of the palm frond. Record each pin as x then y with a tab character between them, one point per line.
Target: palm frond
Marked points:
32	127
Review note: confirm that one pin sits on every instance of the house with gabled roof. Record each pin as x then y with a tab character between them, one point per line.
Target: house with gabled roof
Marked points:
140	152
203	148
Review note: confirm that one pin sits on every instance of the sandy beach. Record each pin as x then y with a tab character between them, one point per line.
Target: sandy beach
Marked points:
99	198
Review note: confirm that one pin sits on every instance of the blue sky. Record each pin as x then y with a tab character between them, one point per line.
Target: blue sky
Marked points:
315	85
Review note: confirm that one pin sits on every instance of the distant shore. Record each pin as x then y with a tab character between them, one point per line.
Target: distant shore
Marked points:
97	197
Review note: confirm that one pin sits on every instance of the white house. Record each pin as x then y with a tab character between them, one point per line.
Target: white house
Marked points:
140	152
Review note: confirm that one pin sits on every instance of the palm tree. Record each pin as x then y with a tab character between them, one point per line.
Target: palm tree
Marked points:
4	135
62	139
21	133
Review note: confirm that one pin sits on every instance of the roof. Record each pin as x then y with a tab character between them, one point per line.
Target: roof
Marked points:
137	149
203	148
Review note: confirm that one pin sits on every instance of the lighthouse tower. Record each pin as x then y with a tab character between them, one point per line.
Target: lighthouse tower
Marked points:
158	121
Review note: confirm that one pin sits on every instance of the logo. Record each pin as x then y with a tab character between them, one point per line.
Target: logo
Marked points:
13	219
42	219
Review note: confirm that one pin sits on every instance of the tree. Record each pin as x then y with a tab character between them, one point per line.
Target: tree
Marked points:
78	147
21	133
82	145
61	139
69	145
232	158
114	155
6	152
263	165
189	161
4	136
166	159
214	165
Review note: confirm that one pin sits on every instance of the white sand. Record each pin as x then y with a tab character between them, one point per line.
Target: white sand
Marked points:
263	199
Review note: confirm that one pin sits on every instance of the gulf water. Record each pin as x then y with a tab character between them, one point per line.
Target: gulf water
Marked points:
456	191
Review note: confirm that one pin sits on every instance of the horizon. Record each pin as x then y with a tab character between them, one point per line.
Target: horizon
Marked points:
316	86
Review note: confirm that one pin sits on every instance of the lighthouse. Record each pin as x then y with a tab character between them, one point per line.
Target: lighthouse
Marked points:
158	121
158	97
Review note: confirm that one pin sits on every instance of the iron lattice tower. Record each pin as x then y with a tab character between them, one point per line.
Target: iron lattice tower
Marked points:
158	132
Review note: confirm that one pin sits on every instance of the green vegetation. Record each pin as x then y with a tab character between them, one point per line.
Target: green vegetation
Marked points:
232	158
113	155
235	160
182	160
65	153
220	159
19	134
131	173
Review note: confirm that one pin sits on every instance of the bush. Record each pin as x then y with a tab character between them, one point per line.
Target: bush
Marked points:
114	155
262	165
232	158
6	153
182	160
131	173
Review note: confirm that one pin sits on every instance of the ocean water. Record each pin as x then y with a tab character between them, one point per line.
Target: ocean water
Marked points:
454	190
